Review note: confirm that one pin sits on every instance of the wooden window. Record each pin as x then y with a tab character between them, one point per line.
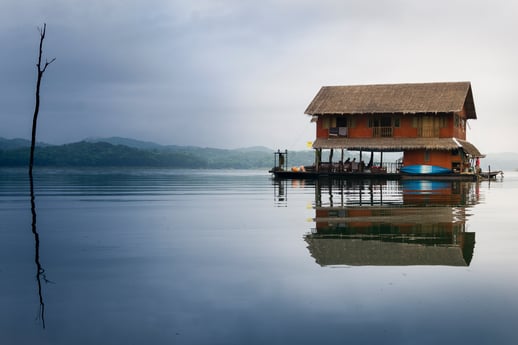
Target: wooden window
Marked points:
341	122
396	122
338	127
325	123
381	126
386	121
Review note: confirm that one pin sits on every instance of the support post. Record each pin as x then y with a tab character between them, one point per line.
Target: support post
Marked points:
342	161
318	158
360	163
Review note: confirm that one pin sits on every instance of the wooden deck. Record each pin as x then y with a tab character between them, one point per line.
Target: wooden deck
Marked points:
282	174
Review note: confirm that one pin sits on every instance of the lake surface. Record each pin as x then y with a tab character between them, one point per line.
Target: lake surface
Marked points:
234	257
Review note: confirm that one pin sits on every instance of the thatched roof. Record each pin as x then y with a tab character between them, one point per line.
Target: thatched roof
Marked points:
422	98
357	252
397	144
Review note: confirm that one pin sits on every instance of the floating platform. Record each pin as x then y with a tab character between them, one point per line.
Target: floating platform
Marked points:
358	171
309	174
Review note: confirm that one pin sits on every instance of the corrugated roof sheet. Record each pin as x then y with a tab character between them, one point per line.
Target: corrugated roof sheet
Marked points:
397	144
394	98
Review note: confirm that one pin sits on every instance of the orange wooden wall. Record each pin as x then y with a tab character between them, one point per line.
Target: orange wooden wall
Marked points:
361	129
439	158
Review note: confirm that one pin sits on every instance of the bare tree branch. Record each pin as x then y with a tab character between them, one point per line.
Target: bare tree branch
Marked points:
47	63
40	72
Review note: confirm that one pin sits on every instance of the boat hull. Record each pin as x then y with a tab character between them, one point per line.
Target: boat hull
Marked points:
490	174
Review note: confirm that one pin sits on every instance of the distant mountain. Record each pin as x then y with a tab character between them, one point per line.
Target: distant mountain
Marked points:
98	152
500	161
117	151
101	154
10	144
255	149
138	144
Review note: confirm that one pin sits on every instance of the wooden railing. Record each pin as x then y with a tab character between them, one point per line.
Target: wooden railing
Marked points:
355	167
382	132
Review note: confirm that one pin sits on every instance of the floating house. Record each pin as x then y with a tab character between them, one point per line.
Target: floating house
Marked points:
426	122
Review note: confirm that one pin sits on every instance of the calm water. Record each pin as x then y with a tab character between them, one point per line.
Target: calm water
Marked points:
233	257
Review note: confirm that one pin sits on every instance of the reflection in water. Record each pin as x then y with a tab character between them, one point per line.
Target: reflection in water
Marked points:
392	223
280	190
40	271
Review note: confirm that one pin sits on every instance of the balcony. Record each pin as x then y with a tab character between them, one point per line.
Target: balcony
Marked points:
381	132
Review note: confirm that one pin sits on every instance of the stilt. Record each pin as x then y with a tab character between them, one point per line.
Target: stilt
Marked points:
342	161
331	160
362	163
318	159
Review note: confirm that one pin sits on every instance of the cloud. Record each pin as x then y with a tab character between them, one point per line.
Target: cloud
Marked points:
233	73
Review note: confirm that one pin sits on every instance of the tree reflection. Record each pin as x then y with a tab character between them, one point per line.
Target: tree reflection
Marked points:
40	271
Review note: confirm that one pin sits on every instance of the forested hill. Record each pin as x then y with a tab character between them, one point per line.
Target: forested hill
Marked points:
95	153
124	152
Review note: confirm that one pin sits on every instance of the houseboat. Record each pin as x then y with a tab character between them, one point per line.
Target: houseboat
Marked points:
426	123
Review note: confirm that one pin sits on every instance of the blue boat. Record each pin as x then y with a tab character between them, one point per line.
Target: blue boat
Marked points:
425	169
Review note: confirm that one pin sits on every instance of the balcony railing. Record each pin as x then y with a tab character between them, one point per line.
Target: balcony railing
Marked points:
382	132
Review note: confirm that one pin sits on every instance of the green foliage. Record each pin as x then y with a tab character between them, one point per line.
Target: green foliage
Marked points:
102	154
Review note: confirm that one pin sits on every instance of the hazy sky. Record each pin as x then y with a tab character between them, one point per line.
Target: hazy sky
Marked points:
237	73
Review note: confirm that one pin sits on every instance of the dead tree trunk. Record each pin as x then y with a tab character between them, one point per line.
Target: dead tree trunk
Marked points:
40	272
41	70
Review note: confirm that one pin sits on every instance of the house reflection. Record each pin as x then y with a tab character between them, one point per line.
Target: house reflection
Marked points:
392	223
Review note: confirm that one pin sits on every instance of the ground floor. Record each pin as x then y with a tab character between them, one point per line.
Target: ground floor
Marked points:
389	157
450	154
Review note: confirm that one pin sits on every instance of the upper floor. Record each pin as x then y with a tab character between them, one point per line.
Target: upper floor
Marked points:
386	125
429	110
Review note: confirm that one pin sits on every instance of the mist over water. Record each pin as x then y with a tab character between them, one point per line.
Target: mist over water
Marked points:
233	257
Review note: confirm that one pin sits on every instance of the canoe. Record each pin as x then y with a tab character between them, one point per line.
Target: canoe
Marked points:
424	169
490	174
